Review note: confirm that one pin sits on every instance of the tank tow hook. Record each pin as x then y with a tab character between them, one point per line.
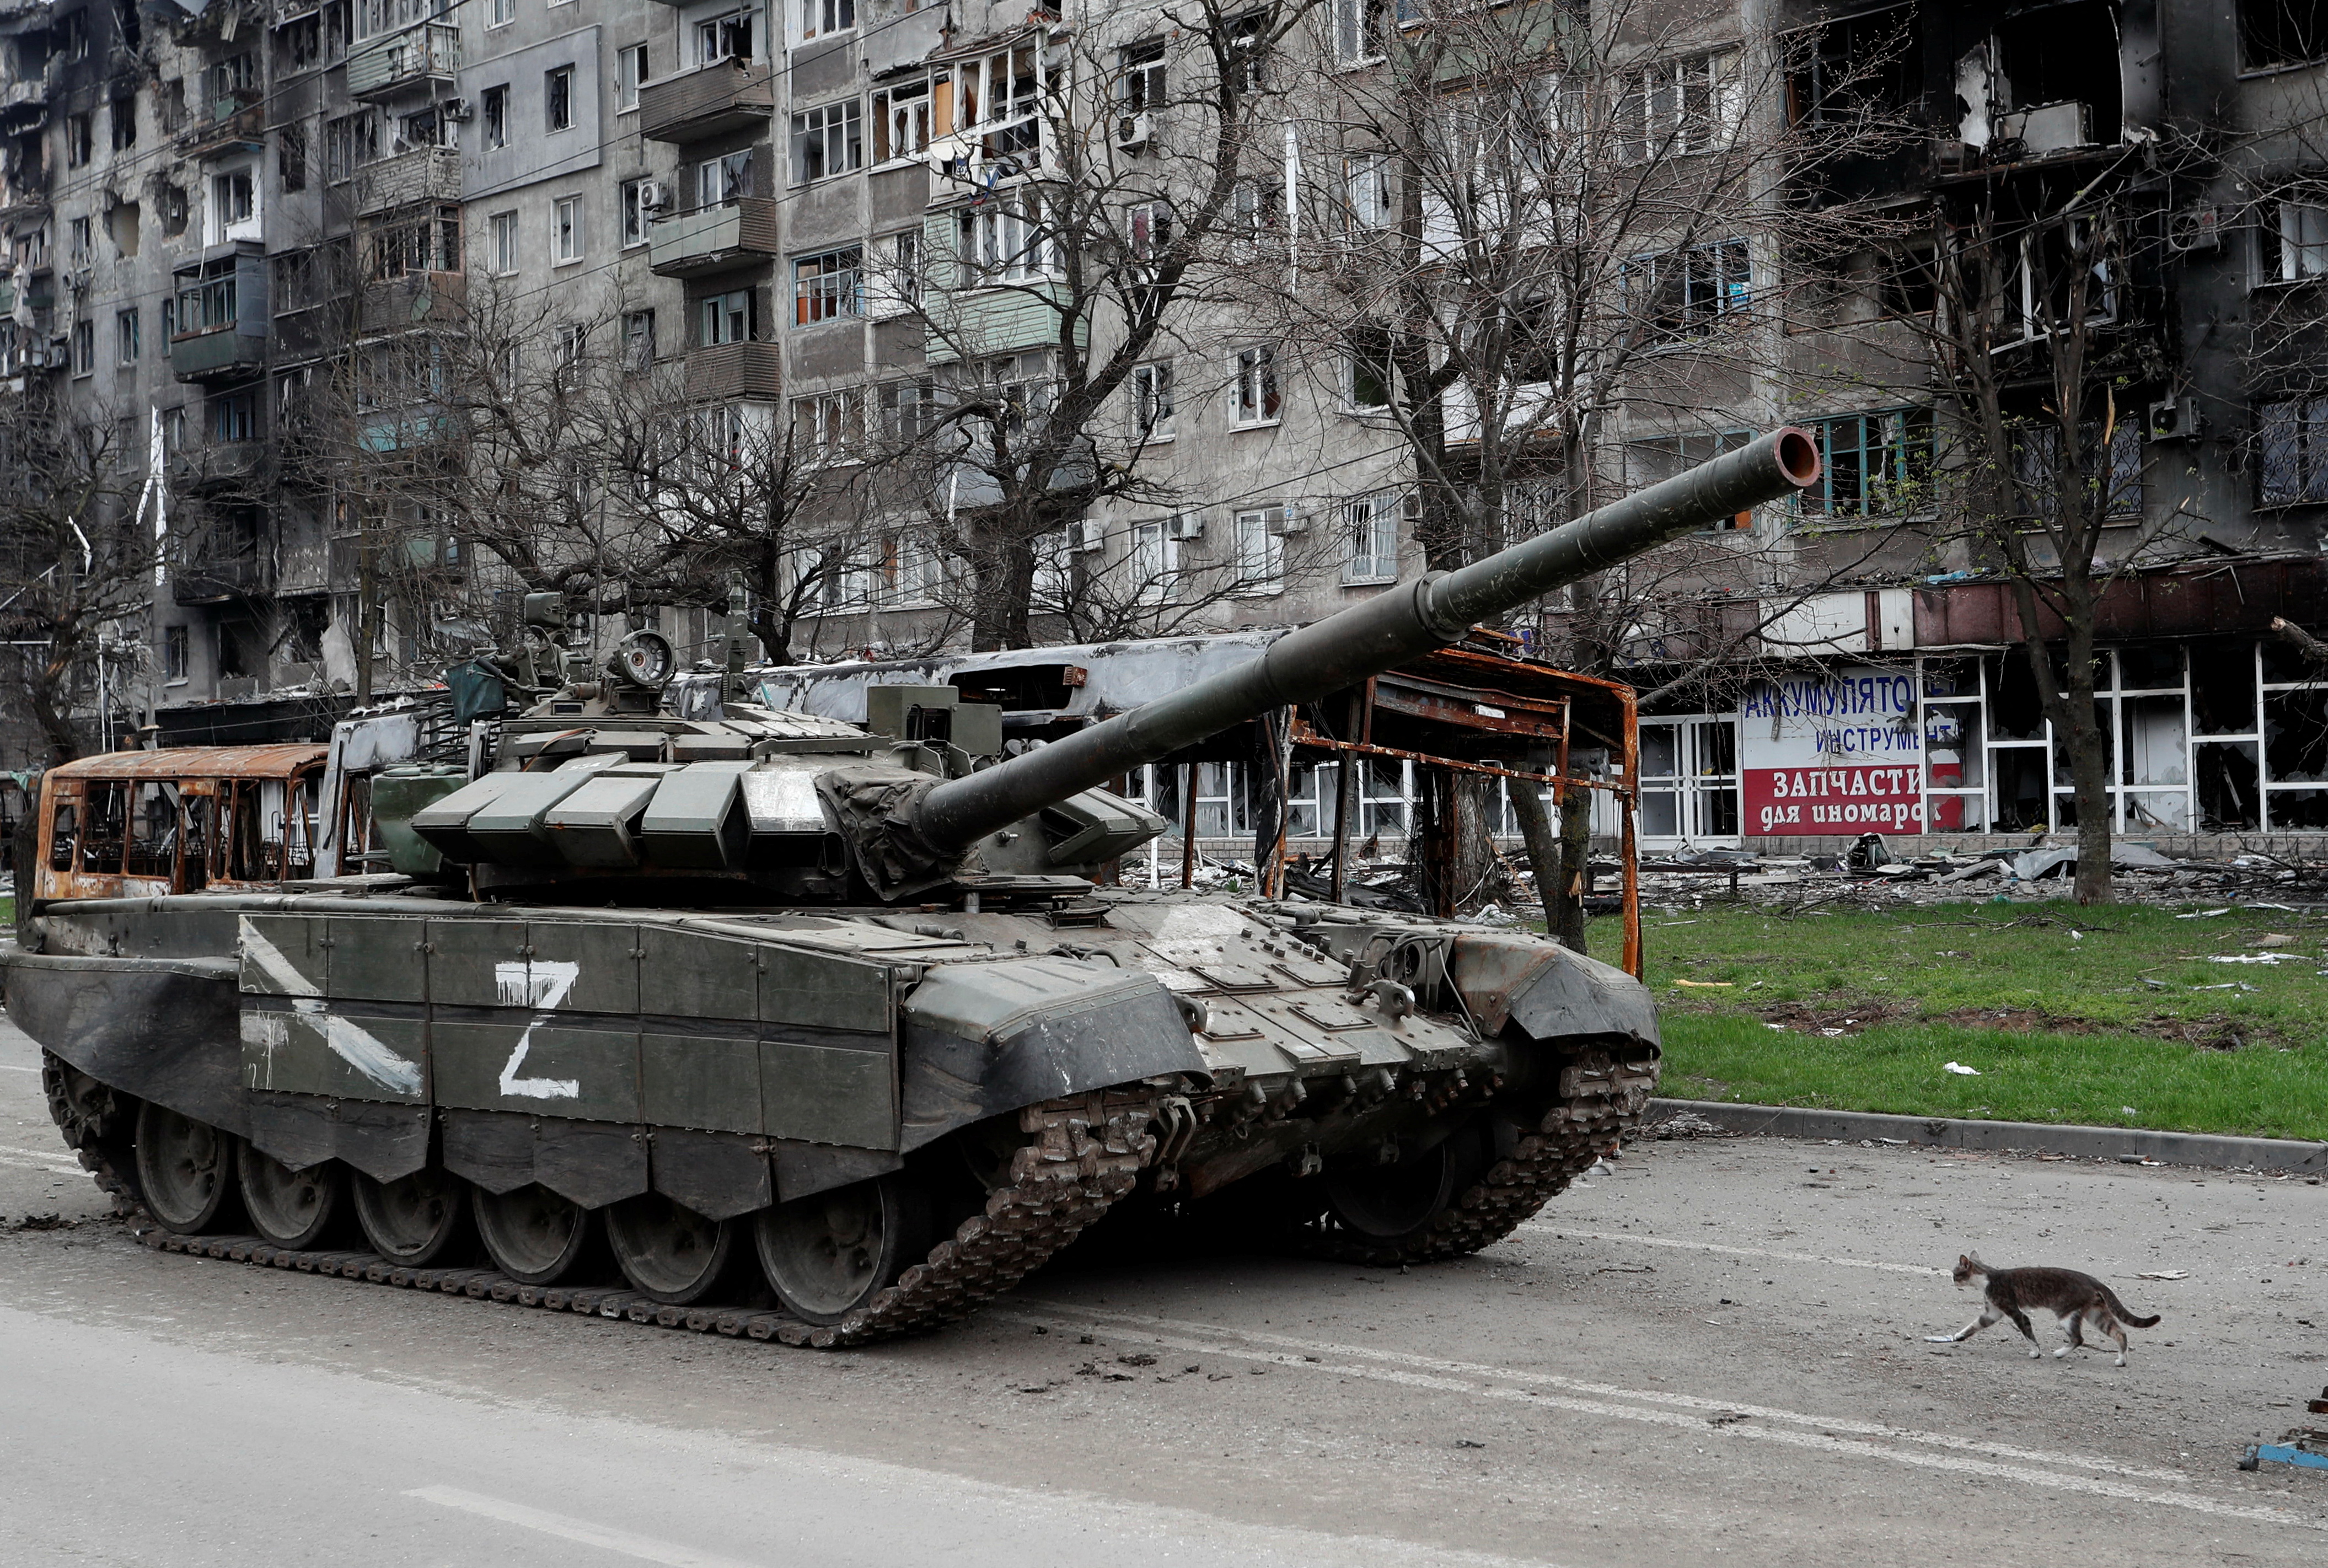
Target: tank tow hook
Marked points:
1175	1129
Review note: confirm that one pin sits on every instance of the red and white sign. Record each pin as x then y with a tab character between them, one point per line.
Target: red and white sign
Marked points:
1838	752
1834	800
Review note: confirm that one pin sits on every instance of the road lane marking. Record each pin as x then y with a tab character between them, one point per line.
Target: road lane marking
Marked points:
14	1068
1474	1379
40	1159
1560	1233
645	1547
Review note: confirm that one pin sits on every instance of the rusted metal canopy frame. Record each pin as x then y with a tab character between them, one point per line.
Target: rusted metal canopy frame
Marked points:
1555	723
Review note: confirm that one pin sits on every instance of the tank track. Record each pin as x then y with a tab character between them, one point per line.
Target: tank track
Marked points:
1601	1101
1082	1154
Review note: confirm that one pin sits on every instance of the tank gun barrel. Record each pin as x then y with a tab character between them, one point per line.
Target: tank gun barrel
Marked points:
1367	639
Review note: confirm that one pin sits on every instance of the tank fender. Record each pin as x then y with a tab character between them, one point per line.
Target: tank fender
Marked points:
984	1038
1549	992
164	1029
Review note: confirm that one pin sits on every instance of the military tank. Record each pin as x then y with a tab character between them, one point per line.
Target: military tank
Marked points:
823	1031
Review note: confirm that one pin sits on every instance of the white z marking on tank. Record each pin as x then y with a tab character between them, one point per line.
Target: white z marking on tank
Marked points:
350	1041
539	986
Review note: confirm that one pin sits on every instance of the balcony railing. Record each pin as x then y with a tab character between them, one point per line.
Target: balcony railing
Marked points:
217	578
737	234
409	178
236	119
428	52
416	299
219	463
220	353
729	372
727	95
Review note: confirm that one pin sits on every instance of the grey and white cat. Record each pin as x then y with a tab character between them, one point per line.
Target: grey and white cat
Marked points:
2076	1299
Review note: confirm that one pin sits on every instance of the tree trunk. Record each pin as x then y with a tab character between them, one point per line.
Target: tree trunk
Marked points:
1542	849
1575	865
1004	567
2089	759
1476	870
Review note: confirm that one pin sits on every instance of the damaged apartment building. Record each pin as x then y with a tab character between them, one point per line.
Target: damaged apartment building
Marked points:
209	210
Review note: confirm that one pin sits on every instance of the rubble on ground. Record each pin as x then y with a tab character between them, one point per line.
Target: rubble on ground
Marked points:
1868	875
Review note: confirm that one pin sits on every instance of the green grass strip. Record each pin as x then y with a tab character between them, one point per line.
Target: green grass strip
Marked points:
2116	1015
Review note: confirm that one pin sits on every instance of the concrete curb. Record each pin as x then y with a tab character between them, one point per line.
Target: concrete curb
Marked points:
2010	1137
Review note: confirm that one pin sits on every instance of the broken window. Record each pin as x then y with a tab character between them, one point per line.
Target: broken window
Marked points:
2047	78
2114	472
1857	70
2276	32
2292	441
1875	464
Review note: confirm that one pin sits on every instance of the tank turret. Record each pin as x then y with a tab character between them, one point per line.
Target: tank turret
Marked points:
601	793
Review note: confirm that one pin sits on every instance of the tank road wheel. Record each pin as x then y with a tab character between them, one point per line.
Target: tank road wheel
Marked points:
831	1252
294	1209
185	1169
1391	1209
414	1220
667	1251
532	1234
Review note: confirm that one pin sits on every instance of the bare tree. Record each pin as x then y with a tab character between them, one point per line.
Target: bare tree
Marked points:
1536	257
78	564
1102	172
2037	278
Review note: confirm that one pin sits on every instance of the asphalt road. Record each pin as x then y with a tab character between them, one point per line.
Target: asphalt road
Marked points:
1710	1351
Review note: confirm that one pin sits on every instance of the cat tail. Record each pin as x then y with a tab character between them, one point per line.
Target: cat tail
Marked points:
2124	1317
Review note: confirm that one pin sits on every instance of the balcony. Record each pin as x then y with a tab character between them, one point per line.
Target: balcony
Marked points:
219	465
236	123
727	95
737	233
408	179
218	354
417	299
736	373
427	55
210	582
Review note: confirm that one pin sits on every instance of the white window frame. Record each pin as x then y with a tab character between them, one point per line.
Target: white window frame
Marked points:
630	75
1004	240
834	292
1370	530
824	18
1153	395
1152	564
1678	107
732	314
502	230
1260	551
905	119
566	230
1366	192
724	178
1253	387
826	427
837	133
500	13
635	216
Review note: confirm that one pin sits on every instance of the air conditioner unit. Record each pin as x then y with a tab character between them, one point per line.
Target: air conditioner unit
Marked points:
1186	525
2048	128
1087	535
1133	132
2198	227
456	108
1289	521
2173	418
653	195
